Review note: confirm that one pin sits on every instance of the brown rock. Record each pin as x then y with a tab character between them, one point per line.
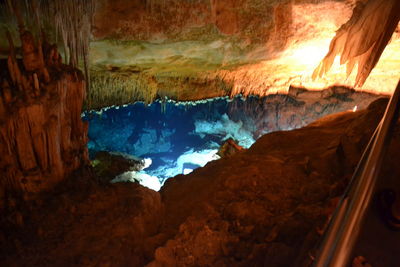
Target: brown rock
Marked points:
225	16
259	207
31	59
43	139
229	148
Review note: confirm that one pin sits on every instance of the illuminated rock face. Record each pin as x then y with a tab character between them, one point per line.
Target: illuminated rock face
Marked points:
191	50
179	19
148	49
42	137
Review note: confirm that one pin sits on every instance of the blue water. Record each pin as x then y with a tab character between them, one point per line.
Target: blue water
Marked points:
179	136
164	131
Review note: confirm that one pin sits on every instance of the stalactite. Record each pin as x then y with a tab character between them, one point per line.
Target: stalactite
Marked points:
71	19
363	38
42	137
13	68
108	89
14	7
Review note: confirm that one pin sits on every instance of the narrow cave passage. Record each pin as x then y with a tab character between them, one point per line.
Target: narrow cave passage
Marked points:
177	137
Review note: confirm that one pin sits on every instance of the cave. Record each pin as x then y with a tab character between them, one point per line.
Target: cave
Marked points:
199	133
171	135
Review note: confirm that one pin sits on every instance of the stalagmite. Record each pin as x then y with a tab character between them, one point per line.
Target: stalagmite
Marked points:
36	84
42	137
7	95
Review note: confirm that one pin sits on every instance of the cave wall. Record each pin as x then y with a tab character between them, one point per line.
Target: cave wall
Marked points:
192	50
143	50
265	206
253	20
42	136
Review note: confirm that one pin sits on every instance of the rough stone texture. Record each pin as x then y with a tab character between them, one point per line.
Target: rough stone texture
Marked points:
83	224
191	50
179	19
300	107
265	206
42	136
238	25
108	165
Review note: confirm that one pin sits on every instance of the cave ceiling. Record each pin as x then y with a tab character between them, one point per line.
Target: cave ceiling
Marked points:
190	50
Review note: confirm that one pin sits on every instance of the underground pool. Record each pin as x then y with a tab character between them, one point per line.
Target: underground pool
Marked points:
177	137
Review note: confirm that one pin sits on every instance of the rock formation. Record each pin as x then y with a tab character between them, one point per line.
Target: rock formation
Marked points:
256	21
263	206
363	38
108	165
229	148
266	205
42	137
192	50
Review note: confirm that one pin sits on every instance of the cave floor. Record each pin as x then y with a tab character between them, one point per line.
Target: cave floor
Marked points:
265	206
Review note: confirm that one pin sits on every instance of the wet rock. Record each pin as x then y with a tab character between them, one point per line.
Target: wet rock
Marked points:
229	148
108	165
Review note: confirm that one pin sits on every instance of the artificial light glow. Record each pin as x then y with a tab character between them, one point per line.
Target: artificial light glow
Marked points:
147	163
315	26
311	53
187	171
144	179
197	157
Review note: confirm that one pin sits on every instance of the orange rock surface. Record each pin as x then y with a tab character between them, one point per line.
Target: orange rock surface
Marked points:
42	136
263	206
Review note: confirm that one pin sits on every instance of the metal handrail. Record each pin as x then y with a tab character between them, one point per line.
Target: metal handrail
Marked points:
344	227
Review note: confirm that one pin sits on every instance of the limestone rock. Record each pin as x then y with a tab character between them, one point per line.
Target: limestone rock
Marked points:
229	148
42	136
109	165
265	206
